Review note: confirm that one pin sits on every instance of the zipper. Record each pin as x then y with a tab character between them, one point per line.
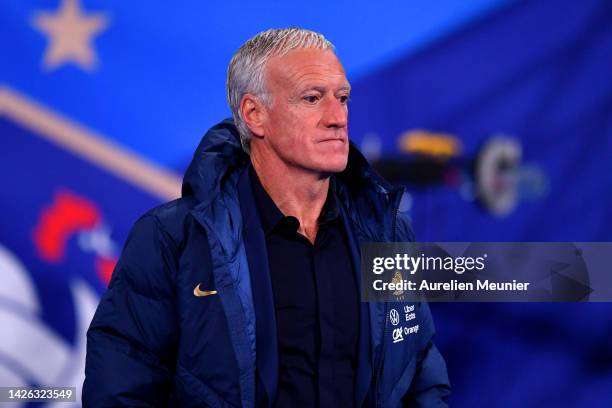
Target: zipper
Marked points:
381	354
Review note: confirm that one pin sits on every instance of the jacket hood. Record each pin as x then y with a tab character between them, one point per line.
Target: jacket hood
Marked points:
220	153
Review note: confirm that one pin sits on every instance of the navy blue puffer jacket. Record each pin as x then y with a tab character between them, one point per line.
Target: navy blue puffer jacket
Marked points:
152	342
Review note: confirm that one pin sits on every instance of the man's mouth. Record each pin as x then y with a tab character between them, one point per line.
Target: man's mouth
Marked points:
333	139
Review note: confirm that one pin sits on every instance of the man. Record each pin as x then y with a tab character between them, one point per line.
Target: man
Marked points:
245	291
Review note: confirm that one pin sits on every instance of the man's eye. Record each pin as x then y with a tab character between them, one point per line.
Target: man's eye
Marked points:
311	98
344	99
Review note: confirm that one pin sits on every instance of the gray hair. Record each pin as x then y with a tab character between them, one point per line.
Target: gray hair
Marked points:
245	73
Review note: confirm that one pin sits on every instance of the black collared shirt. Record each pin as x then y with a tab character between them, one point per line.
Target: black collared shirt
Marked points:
316	303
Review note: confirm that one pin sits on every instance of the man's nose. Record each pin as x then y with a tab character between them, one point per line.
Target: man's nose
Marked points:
335	114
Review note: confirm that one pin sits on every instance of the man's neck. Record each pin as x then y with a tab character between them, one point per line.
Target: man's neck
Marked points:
295	192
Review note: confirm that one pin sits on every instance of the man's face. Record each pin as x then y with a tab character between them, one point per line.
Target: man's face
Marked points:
306	123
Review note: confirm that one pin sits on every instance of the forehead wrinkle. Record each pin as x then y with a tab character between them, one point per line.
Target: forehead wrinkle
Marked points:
290	75
320	81
317	68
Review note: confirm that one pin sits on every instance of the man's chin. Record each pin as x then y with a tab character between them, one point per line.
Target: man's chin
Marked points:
331	167
328	164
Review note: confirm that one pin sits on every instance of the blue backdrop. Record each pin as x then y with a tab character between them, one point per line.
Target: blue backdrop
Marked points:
103	102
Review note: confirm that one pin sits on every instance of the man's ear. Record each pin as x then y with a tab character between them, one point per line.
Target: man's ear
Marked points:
253	114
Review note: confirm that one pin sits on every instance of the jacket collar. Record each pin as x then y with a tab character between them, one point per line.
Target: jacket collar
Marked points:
220	153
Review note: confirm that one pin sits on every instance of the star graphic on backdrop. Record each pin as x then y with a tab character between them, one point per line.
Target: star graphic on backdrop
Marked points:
70	35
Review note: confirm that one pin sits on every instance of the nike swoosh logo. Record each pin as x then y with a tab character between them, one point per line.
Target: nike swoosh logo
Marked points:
201	293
